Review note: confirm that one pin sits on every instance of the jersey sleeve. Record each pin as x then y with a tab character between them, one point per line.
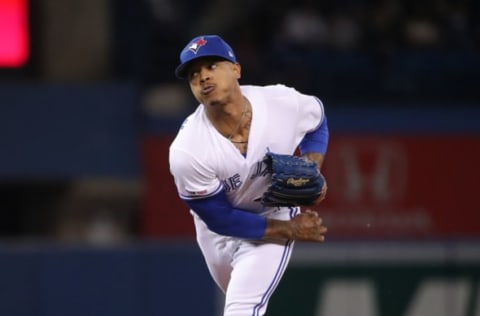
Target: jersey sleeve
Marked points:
193	179
311	112
220	217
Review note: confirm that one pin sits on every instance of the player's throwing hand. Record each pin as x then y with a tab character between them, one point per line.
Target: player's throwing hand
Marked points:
308	226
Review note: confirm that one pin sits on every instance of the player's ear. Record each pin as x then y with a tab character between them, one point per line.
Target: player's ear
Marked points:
238	70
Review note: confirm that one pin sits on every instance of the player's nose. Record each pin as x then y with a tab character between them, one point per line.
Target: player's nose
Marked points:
204	74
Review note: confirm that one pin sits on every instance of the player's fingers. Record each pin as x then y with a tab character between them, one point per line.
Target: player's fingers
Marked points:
324	190
323	229
325	186
321	233
321	197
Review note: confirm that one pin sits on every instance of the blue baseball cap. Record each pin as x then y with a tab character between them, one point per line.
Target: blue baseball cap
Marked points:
203	46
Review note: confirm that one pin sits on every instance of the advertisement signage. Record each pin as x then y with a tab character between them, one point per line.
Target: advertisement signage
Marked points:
380	280
402	187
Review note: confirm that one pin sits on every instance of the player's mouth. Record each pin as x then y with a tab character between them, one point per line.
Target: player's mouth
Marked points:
207	90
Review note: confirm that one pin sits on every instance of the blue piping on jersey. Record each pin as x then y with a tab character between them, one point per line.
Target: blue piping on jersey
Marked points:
287	251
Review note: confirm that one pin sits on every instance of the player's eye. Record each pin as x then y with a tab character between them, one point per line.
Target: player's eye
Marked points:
195	72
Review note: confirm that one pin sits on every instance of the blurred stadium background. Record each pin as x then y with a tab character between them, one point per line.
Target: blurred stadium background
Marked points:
90	223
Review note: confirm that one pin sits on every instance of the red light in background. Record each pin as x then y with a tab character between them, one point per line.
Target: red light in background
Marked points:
14	35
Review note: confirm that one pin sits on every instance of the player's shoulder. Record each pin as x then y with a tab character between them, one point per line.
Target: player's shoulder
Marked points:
190	129
272	93
274	89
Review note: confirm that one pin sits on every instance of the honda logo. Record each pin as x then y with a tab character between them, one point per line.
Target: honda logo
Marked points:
369	171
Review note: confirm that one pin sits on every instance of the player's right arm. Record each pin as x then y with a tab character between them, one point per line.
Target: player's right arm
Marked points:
224	219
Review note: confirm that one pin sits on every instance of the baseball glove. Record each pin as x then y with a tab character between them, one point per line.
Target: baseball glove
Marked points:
295	181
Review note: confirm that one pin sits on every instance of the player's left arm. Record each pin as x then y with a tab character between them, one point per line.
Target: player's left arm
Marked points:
314	148
314	145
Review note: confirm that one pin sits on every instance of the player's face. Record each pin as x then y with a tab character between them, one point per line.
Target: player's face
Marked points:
212	80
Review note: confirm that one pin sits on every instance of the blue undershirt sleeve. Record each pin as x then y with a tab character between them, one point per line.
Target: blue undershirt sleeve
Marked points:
221	217
316	141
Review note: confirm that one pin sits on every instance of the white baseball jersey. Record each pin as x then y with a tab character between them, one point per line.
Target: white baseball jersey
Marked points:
203	162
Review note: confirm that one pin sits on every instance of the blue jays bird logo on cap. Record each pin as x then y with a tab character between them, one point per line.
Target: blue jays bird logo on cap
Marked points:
203	46
197	44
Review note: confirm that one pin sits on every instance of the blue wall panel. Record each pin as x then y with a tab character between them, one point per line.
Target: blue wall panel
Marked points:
78	281
68	130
